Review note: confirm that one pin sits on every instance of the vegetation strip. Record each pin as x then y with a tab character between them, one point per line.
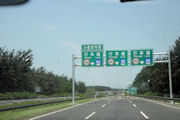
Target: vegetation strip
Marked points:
38	104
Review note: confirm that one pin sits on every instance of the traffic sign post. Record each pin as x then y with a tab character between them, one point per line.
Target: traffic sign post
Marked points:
142	57
73	79
170	78
116	58
92	55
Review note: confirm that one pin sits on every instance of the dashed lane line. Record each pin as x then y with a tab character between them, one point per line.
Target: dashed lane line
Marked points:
143	114
104	105
134	105
89	115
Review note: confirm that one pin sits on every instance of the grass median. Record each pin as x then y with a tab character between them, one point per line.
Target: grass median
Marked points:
26	113
28	103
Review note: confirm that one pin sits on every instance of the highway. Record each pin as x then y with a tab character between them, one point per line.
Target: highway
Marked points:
116	108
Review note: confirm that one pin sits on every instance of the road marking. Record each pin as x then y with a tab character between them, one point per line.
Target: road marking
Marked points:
90	115
109	101
134	105
144	115
104	105
62	110
130	101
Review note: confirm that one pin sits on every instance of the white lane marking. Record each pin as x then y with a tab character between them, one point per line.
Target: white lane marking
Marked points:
89	115
144	115
134	105
130	101
104	105
62	110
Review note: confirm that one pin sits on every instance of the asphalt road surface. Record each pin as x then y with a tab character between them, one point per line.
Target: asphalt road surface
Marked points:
116	108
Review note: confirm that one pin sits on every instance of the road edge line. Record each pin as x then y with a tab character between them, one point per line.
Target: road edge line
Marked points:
163	104
61	110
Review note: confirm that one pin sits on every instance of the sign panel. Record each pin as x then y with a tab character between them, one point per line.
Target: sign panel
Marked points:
133	91
117	58
142	57
92	55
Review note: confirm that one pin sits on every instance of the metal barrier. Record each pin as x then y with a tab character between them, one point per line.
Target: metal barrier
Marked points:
159	97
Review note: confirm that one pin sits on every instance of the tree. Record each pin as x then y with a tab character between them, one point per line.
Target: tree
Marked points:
158	74
14	68
81	87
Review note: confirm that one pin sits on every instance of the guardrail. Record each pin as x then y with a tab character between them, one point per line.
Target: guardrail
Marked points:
37	104
159	97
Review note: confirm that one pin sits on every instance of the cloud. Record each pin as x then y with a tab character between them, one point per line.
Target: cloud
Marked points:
114	1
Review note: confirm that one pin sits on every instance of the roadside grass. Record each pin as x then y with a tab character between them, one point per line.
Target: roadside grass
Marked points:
26	113
28	103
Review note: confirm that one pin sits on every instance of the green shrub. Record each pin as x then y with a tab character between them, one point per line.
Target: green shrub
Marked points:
62	94
17	95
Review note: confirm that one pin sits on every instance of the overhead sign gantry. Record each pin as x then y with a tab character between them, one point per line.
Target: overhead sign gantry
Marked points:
93	56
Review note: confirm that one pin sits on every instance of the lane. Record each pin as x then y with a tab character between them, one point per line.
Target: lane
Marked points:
118	109
156	111
76	113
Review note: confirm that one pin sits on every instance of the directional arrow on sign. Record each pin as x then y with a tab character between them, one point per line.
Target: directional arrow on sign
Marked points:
117	63
92	63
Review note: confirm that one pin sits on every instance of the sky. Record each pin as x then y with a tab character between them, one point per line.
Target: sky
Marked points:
55	29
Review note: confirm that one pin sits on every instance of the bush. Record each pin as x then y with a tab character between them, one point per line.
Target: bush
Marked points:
62	94
155	94
17	95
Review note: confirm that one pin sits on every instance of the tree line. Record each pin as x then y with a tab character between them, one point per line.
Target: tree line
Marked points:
17	75
155	78
99	88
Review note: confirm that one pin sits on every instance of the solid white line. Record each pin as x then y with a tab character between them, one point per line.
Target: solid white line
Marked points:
90	115
157	102
104	105
61	110
144	115
134	105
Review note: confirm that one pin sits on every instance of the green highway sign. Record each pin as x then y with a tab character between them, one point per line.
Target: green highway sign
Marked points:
117	58
92	55
142	57
132	91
